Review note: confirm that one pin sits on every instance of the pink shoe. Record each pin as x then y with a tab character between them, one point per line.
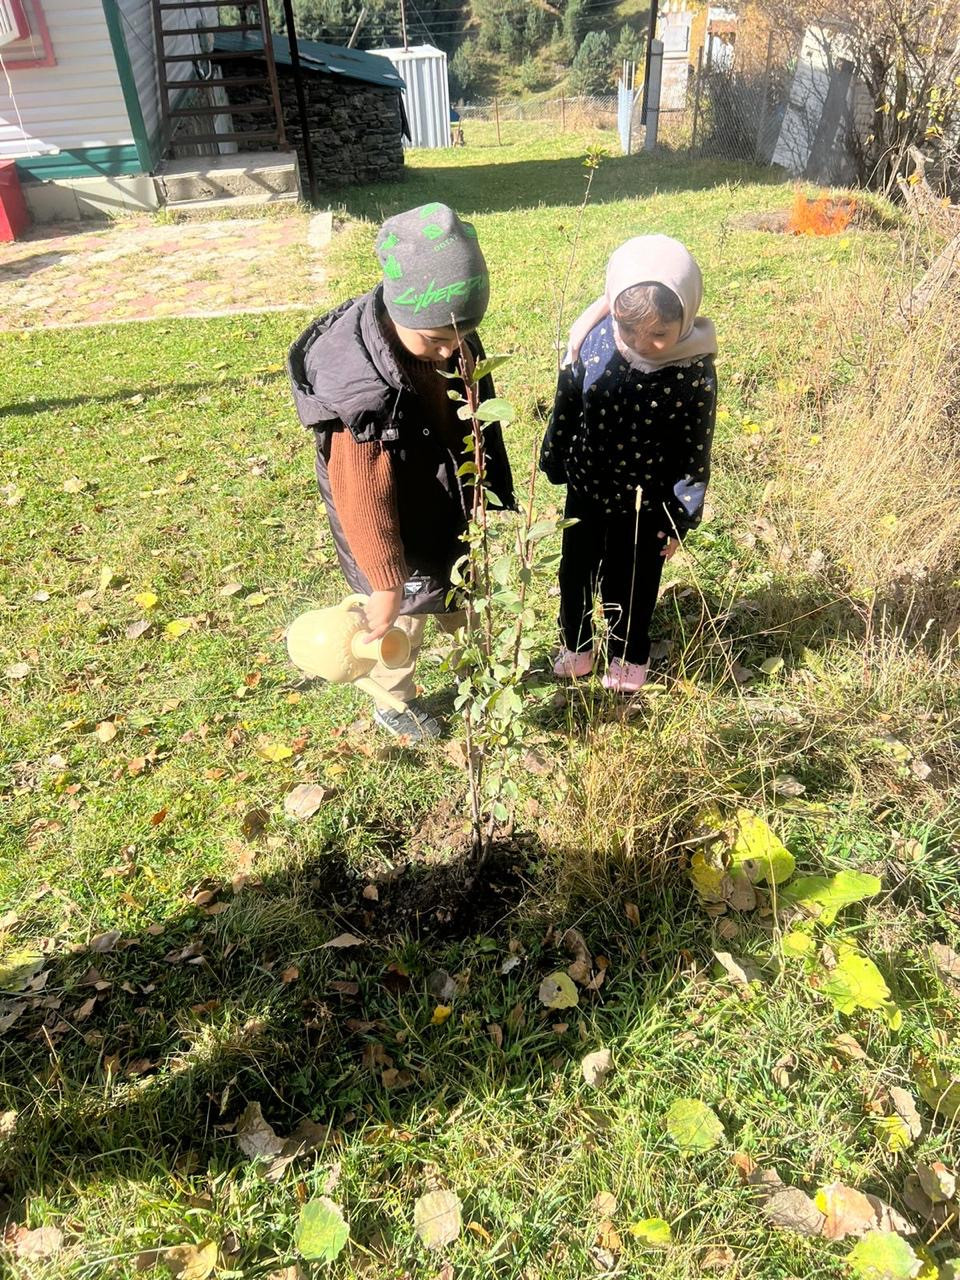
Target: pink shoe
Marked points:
625	677
571	666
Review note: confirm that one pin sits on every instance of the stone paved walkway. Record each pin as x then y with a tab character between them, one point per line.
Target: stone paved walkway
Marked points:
137	269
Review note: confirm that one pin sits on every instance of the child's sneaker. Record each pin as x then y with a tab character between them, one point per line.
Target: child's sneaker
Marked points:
573	666
625	677
414	724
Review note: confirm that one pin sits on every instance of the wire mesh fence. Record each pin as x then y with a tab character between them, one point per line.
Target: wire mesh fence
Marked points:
719	112
585	111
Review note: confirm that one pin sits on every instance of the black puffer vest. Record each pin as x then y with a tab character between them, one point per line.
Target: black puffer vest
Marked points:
345	376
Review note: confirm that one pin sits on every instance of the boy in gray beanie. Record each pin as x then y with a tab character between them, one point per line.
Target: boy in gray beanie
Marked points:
366	380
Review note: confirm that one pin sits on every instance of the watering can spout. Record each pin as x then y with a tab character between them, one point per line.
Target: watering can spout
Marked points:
330	643
381	696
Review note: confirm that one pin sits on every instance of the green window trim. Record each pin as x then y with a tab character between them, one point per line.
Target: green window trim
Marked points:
128	84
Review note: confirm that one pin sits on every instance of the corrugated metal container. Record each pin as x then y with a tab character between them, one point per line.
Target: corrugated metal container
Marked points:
426	97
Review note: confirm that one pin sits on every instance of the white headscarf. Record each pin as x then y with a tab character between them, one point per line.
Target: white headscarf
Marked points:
652	260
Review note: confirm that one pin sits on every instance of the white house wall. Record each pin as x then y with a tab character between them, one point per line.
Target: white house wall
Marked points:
138	30
76	104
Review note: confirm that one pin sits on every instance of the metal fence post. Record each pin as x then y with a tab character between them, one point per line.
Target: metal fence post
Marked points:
496	113
653	94
563	113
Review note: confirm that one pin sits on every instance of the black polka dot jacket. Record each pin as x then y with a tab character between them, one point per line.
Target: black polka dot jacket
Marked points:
615	428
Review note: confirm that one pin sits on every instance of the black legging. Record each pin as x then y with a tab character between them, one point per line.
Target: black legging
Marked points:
612	556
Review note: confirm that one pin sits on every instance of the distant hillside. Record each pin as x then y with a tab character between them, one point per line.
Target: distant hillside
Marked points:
505	47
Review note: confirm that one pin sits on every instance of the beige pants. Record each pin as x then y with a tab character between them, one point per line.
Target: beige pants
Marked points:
399	680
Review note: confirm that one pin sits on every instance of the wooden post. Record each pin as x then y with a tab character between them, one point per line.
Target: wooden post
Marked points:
563	113
496	116
403	23
766	94
696	99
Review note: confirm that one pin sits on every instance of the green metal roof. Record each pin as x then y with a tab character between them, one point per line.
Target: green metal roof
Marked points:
332	59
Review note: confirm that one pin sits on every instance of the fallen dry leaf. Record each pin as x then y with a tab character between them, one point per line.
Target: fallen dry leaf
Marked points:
581	966
17	671
254	1135
717	1258
608	1237
393	1078
304	800
10	1011
596	1067
104	942
41	1242
946	961
290	974
495	1032
8	1125
846	1211
740	971
192	1261
106	731
793	1210
437	1218
850	1048
886	1218
345	940
937	1181
254	823
604	1204
632	912
906	1109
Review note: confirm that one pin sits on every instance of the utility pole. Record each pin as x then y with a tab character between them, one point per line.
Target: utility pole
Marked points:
403	24
651	36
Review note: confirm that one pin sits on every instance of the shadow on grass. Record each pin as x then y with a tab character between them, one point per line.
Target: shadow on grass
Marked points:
504	184
140	1059
120	395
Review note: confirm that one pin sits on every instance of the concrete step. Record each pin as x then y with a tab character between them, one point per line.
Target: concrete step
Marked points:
235	206
244	174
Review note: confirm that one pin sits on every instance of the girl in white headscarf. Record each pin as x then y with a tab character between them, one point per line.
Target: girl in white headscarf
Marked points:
630	437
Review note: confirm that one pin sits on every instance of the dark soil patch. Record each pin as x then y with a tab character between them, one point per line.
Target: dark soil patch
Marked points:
436	901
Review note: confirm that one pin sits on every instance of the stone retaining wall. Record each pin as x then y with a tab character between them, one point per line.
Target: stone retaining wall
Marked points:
355	128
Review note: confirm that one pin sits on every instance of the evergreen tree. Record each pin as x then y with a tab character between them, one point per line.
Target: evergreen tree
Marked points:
575	19
629	47
591	71
462	71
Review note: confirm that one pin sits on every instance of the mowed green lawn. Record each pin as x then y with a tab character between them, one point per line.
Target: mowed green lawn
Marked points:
170	920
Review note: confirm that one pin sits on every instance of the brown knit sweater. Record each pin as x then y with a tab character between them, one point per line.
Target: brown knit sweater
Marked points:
362	483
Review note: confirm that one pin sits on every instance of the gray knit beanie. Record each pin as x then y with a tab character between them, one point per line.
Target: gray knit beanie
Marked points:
432	269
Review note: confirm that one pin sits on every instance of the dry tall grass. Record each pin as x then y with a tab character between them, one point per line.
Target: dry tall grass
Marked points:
869	453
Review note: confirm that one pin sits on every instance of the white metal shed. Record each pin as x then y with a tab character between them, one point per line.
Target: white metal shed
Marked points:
426	98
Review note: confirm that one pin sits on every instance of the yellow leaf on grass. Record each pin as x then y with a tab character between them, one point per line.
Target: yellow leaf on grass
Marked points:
177	626
275	752
655	1233
440	1014
709	878
147	599
558	992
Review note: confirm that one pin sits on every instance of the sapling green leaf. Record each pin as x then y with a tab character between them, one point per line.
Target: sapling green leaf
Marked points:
487	365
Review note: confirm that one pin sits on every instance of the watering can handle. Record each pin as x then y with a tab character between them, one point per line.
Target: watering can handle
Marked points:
355	599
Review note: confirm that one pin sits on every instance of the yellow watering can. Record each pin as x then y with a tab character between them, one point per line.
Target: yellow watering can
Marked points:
329	643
